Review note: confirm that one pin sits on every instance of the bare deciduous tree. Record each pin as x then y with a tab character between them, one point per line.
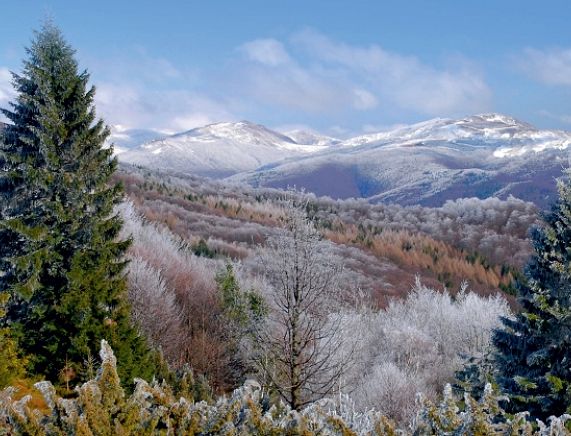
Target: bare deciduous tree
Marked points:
300	340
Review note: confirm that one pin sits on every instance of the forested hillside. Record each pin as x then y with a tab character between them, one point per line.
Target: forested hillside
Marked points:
383	247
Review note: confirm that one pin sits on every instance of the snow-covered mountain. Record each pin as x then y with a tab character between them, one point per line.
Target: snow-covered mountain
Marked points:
219	150
425	163
433	161
509	136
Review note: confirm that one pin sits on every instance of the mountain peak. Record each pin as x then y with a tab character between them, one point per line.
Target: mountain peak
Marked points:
241	131
219	149
488	128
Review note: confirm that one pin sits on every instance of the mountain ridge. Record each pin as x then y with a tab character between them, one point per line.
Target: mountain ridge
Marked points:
219	149
425	163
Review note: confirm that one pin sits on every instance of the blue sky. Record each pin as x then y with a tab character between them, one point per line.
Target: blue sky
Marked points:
337	67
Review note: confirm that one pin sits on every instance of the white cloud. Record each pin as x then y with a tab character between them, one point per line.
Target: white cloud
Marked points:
563	118
169	110
403	80
135	64
143	91
266	51
307	76
272	76
126	98
364	100
374	128
338	131
552	67
290	86
7	92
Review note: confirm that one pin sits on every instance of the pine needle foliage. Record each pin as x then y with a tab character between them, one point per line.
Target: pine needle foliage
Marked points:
534	349
62	262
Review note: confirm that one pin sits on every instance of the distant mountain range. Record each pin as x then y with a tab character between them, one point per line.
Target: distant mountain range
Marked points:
425	163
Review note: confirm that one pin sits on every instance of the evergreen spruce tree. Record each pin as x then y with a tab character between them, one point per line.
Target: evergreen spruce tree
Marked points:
533	361
61	261
242	313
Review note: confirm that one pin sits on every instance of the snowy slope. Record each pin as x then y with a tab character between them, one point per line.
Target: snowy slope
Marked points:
508	136
311	138
219	150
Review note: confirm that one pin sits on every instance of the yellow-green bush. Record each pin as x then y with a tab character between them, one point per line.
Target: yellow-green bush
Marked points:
12	365
102	408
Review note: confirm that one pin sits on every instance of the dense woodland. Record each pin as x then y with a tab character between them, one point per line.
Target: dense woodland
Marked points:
223	309
480	241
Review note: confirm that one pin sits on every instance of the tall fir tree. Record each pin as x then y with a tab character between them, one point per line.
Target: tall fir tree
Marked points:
533	360
61	259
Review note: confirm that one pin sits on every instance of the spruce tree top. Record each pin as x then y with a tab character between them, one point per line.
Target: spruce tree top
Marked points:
54	162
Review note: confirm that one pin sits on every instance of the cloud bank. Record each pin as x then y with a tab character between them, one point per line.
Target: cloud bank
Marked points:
325	75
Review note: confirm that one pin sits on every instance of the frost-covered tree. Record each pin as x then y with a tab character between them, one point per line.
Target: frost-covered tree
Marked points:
534	349
416	344
300	340
153	307
61	260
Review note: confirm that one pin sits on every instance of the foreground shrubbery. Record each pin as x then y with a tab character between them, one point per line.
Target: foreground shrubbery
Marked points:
101	407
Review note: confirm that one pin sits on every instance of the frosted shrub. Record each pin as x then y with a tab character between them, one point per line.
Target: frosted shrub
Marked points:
153	306
418	343
393	390
101	407
484	417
